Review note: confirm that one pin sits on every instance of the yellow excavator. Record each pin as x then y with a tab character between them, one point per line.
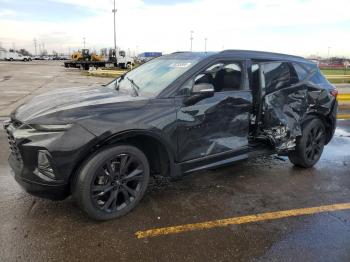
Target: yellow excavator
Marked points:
84	55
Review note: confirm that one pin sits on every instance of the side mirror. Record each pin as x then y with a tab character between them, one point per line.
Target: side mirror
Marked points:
203	88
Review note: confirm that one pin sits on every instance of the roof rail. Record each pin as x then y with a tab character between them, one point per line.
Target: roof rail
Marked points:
260	53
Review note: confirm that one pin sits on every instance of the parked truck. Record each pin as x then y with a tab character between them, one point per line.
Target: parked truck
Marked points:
84	59
14	56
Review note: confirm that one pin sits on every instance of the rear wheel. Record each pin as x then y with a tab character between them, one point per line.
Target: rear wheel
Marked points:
112	182
309	146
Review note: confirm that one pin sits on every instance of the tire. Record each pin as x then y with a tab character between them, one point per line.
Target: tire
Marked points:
309	146
104	194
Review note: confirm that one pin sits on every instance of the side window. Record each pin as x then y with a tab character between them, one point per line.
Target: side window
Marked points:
228	78
300	71
278	75
224	77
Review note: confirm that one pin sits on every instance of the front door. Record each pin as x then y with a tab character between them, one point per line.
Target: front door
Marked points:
218	122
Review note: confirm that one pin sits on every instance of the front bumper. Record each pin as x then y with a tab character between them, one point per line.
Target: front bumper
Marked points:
44	190
65	150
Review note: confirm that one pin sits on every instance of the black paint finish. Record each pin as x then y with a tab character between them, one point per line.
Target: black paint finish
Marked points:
207	131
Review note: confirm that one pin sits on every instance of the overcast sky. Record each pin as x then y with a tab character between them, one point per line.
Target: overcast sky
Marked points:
300	27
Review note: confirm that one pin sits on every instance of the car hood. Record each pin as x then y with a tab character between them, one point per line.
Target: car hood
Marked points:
69	99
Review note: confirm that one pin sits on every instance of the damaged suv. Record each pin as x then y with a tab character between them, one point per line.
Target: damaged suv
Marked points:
176	114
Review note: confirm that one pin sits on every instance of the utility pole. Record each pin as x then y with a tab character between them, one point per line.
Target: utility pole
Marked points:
115	39
35	46
205	45
84	42
191	38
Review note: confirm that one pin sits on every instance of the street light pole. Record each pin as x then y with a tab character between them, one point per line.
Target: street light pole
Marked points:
329	48
205	45
191	38
115	39
35	46
84	41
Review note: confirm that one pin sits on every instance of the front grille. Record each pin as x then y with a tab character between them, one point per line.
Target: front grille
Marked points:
13	145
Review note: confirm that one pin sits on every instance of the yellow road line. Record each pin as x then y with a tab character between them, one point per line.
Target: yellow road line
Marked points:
343	97
241	220
343	116
337	76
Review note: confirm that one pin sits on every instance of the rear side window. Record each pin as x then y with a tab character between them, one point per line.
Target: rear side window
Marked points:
318	79
301	72
278	75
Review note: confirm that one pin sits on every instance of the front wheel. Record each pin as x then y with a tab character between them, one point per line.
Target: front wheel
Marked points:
309	146
112	182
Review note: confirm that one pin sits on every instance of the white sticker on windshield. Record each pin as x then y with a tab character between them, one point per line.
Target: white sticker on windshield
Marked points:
180	65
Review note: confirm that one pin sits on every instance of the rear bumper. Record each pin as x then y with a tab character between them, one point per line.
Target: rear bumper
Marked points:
43	190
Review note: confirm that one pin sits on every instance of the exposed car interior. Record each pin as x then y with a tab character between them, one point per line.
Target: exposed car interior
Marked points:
222	77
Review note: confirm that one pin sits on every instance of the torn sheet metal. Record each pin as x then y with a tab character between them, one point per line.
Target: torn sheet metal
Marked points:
284	111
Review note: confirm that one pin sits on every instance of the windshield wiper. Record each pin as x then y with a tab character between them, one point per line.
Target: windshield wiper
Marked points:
134	86
116	86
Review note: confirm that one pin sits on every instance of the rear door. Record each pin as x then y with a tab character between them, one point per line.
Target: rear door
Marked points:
284	102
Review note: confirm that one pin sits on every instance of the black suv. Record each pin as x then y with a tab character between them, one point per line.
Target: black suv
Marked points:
173	115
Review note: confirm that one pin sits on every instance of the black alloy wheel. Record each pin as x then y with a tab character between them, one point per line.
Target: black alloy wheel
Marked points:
112	182
314	143
117	183
309	146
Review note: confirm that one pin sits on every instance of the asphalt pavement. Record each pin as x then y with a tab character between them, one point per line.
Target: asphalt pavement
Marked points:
34	229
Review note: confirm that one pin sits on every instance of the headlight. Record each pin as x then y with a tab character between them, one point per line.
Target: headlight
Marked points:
52	128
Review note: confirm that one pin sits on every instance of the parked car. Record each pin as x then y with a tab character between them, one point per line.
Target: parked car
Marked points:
173	115
14	56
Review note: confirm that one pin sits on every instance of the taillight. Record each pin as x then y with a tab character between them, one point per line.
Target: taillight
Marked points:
334	92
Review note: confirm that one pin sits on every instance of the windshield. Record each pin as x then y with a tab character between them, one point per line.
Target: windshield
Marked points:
154	76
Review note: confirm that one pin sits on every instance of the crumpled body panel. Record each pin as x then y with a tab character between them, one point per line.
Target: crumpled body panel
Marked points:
285	110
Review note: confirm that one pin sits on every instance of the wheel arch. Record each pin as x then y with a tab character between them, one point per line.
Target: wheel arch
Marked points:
158	151
325	120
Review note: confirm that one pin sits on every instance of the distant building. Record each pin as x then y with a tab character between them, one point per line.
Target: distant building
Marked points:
3	53
347	64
